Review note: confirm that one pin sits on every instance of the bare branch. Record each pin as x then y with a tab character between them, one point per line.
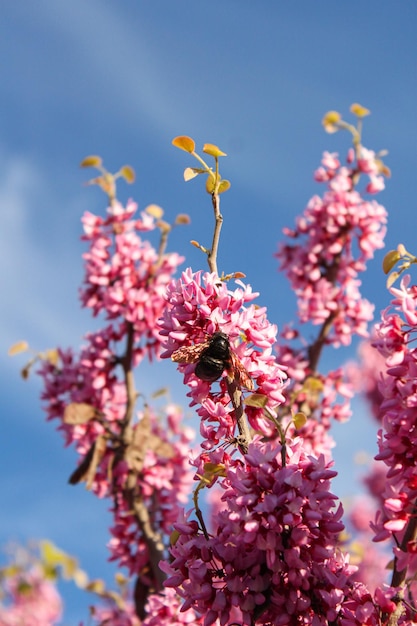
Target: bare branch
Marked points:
236	397
212	254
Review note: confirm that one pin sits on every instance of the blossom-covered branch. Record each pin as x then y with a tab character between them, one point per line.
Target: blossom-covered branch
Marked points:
329	247
132	457
272	552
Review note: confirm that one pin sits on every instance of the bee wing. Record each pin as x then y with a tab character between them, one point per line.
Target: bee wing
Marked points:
240	373
189	354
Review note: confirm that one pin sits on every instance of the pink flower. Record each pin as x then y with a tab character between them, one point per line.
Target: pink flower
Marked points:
125	279
31	600
397	439
164	609
376	184
367	162
333	240
330	160
163	478
274	553
115	615
199	305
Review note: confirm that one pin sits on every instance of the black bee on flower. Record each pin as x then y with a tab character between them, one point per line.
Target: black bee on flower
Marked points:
213	356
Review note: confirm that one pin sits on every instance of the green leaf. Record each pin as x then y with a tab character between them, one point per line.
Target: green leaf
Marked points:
18	347
91	161
257	400
182	218
313	384
121	579
162	391
224	186
52	356
214	469
77	413
53	557
299	420
128	173
392	278
210	185
330	121
213	150
359	110
190	173
155	210
80	578
173	538
96	586
184	143
390	259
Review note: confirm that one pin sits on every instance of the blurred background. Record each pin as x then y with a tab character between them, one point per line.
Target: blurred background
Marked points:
121	79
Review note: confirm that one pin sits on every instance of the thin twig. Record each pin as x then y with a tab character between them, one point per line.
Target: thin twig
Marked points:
161	251
126	363
315	349
212	255
236	397
398	577
153	540
151	537
233	389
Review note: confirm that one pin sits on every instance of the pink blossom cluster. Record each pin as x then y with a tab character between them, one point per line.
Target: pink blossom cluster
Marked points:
111	614
275	556
90	377
372	561
164	609
334	238
164	485
30	600
398	439
125	279
197	306
367	163
164	478
322	398
124	276
274	553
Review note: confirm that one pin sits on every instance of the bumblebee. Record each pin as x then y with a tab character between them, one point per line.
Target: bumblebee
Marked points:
213	357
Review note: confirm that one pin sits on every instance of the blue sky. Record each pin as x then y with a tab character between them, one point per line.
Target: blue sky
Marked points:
121	79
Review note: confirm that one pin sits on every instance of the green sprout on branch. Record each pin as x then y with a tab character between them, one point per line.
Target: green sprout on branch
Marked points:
333	122
215	185
400	257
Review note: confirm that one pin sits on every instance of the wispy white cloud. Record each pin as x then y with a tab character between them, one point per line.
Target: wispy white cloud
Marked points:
155	78
251	86
110	56
33	284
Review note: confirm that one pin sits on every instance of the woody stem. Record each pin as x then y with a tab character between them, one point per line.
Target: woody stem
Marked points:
212	255
143	519
410	534
236	397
